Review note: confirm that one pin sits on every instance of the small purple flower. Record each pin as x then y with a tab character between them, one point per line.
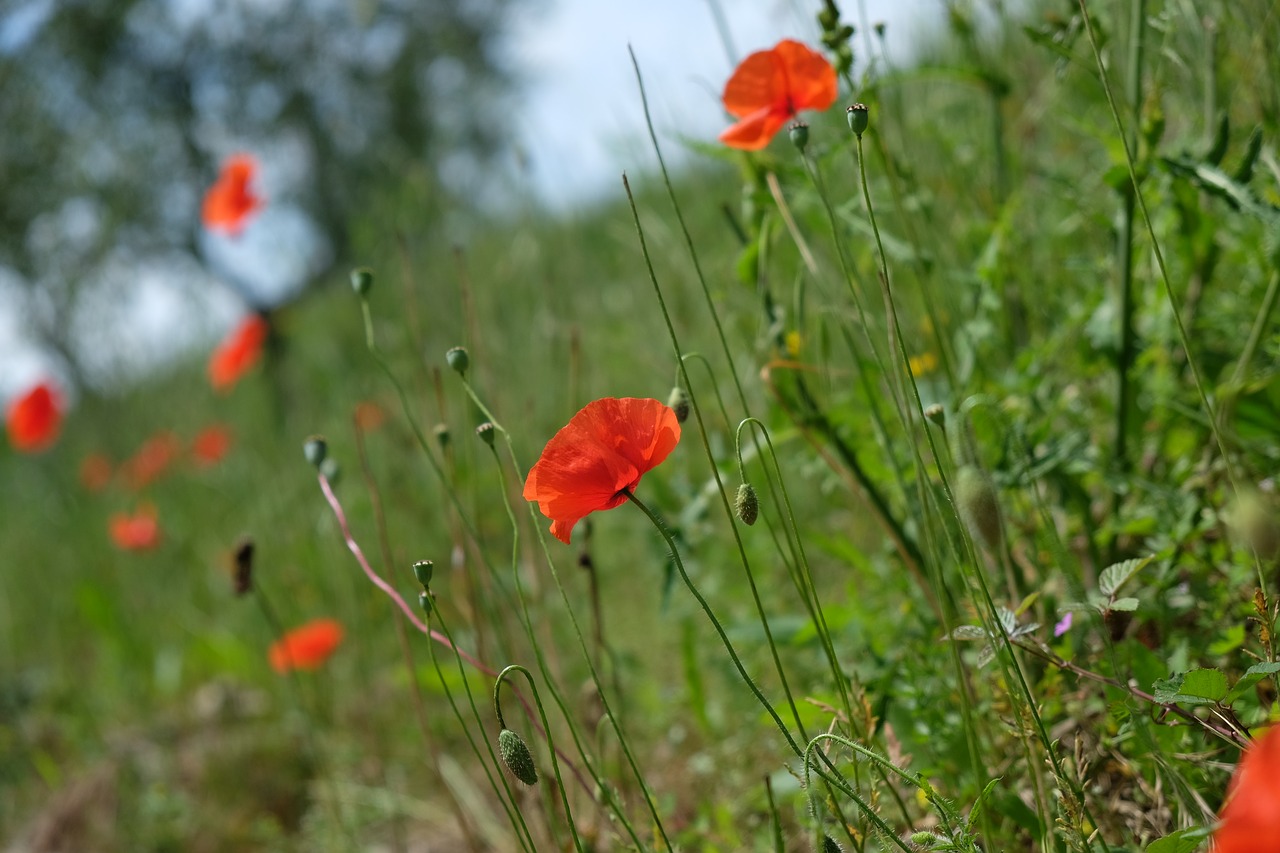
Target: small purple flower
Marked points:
1062	626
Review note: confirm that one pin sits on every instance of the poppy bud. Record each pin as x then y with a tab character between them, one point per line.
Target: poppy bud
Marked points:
879	28
937	414
424	601
423	571
459	359
243	576
747	505
829	16
315	448
332	472
486	431
979	505
858	119
829	845
515	754
361	280
799	132
678	402
442	435
924	839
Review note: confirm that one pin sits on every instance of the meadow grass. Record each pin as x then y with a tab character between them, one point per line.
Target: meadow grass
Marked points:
1009	425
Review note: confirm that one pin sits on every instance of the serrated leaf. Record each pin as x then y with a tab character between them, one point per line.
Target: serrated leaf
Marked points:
1113	577
967	632
1182	841
1166	690
1208	684
1125	604
1252	676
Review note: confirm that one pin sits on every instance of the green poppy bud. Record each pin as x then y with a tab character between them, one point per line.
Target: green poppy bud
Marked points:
678	402
459	359
362	280
746	505
442	435
979	505
515	754
937	414
315	449
331	470
424	601
829	845
858	119
799	133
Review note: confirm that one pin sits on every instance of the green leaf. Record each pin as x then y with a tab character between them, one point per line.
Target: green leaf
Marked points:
967	632
1182	841
1252	676
1113	577
1125	604
1196	687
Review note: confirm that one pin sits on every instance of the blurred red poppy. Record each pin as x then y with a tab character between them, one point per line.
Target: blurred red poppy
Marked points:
307	646
137	532
210	445
369	415
238	352
1251	815
603	451
34	419
95	472
770	87
229	202
151	460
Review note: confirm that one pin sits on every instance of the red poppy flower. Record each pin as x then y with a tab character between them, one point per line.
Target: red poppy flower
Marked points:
307	646
34	420
95	472
229	202
770	87
210	445
238	352
369	415
137	532
1251	815
152	459
604	449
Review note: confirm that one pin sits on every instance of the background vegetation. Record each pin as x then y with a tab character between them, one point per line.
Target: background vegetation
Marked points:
1080	419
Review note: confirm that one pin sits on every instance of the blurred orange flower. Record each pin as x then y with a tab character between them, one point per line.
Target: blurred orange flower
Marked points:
770	87
369	415
137	532
603	451
152	459
238	352
229	202
1251	815
210	445
307	646
95	472
34	419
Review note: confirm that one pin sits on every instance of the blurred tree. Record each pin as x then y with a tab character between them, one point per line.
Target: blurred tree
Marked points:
117	114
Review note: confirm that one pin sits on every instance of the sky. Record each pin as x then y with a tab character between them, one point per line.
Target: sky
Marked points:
579	127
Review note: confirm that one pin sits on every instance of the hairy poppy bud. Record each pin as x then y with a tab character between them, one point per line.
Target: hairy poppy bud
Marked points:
459	359
423	570
829	845
332	472
979	505
315	449
858	119
746	505
924	839
799	133
362	280
515	754
678	402
486	431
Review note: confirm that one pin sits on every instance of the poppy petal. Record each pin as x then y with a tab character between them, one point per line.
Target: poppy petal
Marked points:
810	79
758	83
1251	816
755	131
34	420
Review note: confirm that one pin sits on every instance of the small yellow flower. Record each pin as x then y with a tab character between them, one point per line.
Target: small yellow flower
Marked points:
923	364
793	342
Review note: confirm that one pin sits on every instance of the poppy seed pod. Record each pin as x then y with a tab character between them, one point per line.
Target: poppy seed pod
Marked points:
937	414
442	434
459	359
979	505
315	449
746	505
678	402
858	119
515	754
361	280
486	431
799	133
423	570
